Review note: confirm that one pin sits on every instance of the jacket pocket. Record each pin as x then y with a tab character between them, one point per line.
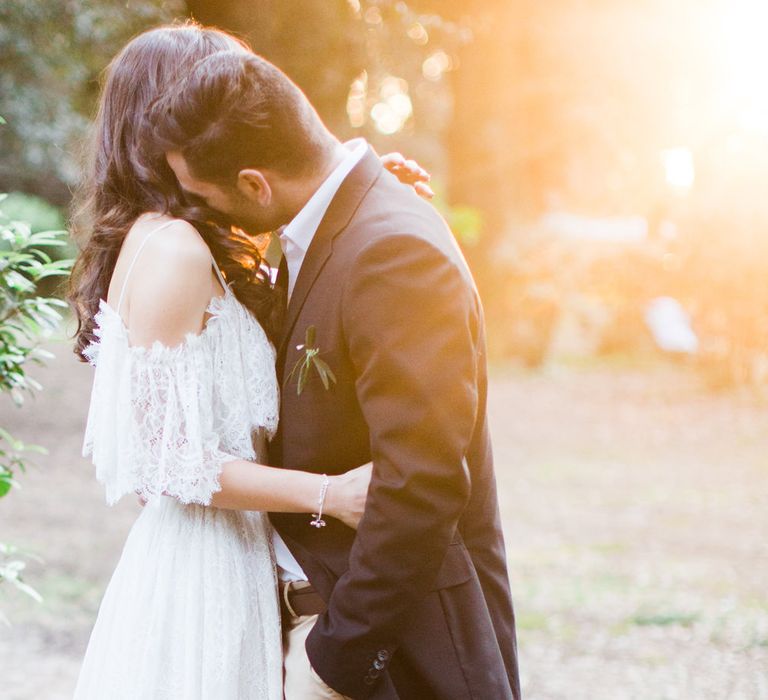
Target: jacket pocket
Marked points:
457	567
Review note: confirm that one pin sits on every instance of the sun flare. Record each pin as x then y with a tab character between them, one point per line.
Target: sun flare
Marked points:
745	62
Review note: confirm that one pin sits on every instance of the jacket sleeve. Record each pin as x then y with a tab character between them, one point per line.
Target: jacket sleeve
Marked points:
411	321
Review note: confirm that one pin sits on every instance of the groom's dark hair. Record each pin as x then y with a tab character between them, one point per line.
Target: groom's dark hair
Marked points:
235	110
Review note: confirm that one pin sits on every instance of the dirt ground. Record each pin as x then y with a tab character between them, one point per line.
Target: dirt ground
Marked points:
636	524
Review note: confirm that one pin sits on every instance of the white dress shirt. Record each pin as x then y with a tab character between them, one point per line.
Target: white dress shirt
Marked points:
296	237
295	240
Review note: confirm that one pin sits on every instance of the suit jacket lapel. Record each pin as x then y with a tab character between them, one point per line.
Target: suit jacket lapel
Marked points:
339	213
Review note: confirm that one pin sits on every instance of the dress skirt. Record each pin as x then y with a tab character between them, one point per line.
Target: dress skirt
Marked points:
191	611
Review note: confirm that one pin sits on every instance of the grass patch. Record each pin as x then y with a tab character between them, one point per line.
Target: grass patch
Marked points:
614	361
531	621
62	590
665	619
611	547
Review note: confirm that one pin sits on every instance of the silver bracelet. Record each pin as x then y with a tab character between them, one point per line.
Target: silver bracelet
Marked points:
318	517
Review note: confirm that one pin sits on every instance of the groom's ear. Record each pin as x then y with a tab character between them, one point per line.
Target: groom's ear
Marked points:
253	185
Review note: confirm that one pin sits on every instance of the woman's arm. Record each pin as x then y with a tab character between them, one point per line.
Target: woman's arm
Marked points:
249	486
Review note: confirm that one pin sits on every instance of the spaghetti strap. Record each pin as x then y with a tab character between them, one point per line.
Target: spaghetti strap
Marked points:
135	258
218	274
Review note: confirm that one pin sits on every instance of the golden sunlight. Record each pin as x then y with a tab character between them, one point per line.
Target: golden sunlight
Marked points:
394	107
679	168
745	62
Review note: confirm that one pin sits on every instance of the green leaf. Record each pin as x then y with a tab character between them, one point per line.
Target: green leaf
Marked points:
296	367
7	482
15	444
31	592
303	377
18	282
330	371
17	397
321	371
326	374
53	273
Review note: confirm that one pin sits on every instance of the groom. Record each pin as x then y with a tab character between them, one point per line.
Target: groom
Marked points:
415	604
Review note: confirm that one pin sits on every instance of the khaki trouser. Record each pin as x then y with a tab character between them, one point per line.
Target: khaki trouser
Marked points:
301	681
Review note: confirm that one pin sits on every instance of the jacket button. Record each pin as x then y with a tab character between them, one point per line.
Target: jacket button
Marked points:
368	680
373	674
379	665
383	655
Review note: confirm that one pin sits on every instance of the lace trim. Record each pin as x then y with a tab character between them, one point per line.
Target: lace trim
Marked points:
166	419
157	351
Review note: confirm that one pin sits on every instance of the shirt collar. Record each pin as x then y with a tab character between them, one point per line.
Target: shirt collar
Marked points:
301	230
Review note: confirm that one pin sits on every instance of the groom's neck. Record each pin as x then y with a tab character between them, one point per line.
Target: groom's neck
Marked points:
306	187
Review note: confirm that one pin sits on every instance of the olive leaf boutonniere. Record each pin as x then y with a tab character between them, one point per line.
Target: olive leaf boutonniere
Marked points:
311	358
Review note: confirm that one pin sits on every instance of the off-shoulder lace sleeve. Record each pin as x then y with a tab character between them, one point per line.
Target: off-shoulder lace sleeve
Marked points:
151	424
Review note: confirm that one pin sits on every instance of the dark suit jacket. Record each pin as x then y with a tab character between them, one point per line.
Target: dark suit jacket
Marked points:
418	599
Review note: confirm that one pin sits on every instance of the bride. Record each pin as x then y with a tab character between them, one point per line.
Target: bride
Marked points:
176	312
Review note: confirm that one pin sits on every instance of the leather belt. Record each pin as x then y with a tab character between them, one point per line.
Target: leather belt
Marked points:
298	598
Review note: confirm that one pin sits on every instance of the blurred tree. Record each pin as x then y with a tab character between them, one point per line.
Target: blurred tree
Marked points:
516	107
51	55
317	42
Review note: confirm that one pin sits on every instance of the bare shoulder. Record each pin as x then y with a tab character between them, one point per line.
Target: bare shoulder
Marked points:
174	241
170	286
169	251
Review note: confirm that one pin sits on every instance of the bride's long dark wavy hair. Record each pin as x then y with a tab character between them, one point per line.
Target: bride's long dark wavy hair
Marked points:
122	180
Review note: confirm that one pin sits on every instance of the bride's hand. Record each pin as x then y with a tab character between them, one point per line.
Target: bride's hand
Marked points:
408	172
347	494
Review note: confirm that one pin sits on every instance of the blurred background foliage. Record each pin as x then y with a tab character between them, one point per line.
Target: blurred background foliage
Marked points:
592	157
27	317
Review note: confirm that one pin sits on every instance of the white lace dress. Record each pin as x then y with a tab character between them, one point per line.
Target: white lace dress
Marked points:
191	611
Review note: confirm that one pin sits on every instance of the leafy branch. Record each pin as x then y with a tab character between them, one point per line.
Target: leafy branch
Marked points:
12	567
26	317
311	358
